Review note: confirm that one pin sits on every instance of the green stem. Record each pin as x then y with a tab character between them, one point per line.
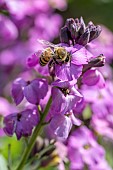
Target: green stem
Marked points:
34	136
41	153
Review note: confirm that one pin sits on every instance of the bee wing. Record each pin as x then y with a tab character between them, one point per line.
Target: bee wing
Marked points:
46	43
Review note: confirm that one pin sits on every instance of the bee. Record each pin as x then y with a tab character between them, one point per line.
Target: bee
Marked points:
54	53
46	56
61	55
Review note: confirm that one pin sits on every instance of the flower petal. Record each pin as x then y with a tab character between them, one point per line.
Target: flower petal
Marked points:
61	126
36	90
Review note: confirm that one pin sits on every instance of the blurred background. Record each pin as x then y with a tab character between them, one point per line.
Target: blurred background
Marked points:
98	11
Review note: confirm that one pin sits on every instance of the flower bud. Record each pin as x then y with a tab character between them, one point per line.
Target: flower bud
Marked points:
64	35
84	39
70	22
99	61
77	32
83	27
95	32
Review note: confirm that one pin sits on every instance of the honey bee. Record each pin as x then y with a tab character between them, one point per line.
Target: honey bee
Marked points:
61	55
53	52
46	56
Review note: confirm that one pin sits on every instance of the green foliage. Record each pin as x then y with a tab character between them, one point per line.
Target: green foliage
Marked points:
15	148
100	12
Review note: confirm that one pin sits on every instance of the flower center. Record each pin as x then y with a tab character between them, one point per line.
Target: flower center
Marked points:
65	91
19	115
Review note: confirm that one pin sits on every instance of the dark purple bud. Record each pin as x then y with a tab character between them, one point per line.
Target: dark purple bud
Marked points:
73	31
81	30
95	32
73	27
84	38
82	27
82	21
99	61
69	23
21	123
65	35
90	24
77	21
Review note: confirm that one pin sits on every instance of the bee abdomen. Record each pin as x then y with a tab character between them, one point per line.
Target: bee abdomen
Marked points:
44	60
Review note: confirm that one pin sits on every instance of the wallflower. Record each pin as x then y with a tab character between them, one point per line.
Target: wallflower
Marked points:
65	71
21	123
5	109
33	91
61	125
101	107
93	77
84	151
64	98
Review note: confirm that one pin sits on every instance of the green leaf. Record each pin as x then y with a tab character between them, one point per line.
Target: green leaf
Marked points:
16	147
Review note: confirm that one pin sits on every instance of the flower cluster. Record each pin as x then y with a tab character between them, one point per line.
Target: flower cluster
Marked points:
68	67
71	74
86	153
77	32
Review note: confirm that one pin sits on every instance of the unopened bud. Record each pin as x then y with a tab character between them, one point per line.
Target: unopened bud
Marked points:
95	32
83	26
84	38
69	23
99	61
64	35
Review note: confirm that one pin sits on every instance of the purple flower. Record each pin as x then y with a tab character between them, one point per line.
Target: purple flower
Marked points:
5	109
102	108
33	91
64	97
83	150
33	60
61	125
93	77
73	68
21	123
